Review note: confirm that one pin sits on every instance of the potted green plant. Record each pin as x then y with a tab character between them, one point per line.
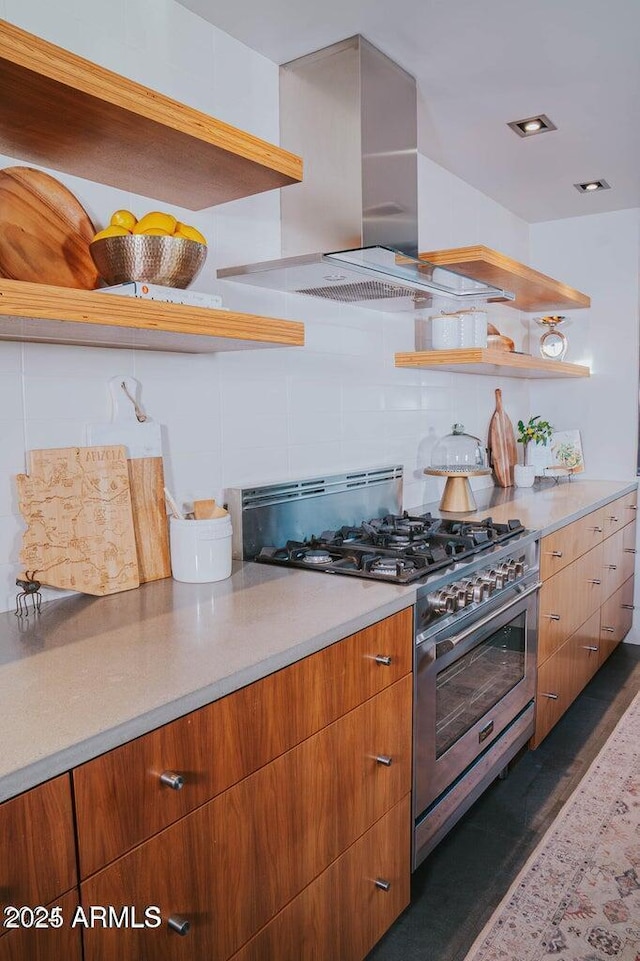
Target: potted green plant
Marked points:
534	431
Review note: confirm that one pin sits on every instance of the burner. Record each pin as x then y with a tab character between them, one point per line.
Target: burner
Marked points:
396	540
391	566
316	557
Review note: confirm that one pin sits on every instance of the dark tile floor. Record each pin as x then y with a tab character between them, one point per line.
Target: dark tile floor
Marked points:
455	891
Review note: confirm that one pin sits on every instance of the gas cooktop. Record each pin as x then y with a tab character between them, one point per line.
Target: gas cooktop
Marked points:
400	548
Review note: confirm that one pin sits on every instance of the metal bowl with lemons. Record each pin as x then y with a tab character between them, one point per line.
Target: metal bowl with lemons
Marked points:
157	249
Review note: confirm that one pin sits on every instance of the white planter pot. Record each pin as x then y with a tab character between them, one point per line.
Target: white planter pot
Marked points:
523	475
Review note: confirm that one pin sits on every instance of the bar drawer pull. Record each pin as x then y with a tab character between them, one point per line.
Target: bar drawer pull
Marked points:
384	759
553	697
594	580
172	780
609	630
612	567
629	550
589	647
628	607
382	884
614	520
555	553
382	659
633	507
596	530
553	617
180	925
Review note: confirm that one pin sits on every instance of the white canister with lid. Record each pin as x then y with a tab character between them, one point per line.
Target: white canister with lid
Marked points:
200	550
445	331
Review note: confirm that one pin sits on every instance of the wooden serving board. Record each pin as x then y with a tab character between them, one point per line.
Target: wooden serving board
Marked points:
45	231
77	507
143	443
146	481
502	445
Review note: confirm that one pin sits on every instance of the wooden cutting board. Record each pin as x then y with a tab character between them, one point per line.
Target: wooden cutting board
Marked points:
45	231
503	452
77	507
143	443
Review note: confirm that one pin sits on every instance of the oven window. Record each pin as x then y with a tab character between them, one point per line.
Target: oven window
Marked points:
472	685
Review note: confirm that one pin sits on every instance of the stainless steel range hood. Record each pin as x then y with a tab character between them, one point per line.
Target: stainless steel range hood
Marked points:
352	115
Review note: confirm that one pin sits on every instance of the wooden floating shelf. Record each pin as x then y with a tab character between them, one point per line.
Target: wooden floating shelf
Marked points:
500	363
534	291
69	114
40	313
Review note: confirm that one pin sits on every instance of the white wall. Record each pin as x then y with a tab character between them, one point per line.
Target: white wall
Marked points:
601	255
251	416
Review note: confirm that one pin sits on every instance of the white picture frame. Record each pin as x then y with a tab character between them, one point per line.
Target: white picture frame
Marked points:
566	451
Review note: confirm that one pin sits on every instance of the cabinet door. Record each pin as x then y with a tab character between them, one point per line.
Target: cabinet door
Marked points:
586	652
616	618
349	907
613	565
567	600
619	512
45	944
38	858
555	690
121	798
230	866
565	545
628	550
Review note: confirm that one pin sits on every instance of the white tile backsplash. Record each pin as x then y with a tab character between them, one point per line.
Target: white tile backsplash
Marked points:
260	416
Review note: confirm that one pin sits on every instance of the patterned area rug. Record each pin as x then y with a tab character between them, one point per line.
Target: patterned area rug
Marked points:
578	896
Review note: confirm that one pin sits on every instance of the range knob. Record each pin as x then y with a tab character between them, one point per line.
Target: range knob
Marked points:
459	591
442	602
508	570
480	589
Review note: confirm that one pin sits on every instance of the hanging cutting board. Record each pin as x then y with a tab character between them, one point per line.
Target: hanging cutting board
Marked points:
45	231
502	445
77	507
142	439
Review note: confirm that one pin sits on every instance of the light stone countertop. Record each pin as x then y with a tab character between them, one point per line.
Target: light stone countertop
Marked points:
91	673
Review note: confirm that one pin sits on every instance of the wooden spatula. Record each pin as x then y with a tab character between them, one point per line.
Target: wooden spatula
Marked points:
207	510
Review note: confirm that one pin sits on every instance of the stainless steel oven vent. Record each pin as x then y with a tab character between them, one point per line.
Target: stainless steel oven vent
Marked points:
351	113
357	293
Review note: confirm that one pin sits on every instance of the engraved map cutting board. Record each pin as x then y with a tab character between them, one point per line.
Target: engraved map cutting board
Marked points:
77	506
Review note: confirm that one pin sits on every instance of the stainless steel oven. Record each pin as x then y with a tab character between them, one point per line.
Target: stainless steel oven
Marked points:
474	700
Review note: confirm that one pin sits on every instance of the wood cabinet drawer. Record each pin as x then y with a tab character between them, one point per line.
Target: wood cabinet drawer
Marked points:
567	600
230	866
618	559
344	913
554	691
37	859
564	546
564	675
120	797
50	944
619	512
616	618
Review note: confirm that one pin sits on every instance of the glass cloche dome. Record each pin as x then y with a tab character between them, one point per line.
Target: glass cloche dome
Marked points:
458	452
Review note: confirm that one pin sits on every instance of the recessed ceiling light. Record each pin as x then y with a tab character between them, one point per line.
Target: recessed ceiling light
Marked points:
590	186
532	125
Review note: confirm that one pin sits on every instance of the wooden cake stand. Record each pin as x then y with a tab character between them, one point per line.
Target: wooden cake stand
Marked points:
457	496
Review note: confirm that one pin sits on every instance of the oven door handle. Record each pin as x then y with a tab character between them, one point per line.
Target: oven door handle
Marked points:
477	625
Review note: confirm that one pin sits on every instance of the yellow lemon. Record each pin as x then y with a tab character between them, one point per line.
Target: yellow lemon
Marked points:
153	220
189	233
154	232
123	218
112	231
